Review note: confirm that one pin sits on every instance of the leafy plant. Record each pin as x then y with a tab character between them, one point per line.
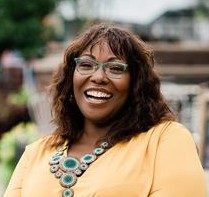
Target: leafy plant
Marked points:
12	146
21	25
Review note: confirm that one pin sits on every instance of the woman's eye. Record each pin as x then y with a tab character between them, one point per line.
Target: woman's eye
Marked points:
86	66
116	68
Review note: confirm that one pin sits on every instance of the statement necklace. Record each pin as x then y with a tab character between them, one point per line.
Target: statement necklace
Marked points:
68	169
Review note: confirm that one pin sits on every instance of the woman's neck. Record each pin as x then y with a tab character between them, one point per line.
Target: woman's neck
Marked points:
92	133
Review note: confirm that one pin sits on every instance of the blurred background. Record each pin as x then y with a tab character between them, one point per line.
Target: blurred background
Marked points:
35	33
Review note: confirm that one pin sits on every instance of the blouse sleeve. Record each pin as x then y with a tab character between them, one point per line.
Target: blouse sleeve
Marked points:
15	184
178	171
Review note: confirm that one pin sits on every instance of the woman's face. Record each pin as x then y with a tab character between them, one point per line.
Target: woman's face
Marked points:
98	96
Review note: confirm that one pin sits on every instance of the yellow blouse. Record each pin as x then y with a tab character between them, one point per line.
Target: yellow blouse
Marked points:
162	162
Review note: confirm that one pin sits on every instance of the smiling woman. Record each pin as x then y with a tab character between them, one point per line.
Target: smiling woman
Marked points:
115	135
101	93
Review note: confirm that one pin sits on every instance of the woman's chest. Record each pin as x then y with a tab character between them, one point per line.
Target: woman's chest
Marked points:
121	171
108	176
40	183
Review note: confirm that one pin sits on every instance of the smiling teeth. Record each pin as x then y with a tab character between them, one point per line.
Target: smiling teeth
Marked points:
98	94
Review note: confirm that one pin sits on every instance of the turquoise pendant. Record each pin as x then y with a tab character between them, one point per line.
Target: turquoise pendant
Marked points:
67	193
55	160
88	158
98	151
69	164
68	180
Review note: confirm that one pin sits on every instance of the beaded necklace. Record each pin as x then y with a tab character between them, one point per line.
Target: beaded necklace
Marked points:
68	169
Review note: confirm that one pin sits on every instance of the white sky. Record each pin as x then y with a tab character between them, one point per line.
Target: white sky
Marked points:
137	11
144	11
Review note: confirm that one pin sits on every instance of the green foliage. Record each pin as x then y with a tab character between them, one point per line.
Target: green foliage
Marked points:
202	12
20	98
11	147
22	9
21	25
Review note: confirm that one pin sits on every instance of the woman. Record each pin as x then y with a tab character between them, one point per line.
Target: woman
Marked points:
116	136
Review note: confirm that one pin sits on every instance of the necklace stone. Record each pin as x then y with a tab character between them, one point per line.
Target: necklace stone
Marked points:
68	169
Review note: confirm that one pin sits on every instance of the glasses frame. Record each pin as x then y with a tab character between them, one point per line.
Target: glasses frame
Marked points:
102	65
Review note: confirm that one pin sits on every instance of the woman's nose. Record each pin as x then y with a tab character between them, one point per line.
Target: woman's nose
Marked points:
99	76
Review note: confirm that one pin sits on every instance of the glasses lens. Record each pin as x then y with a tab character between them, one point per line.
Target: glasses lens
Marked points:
115	69
85	66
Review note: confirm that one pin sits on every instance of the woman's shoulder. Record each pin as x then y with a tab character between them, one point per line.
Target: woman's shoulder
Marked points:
171	127
172	130
167	134
166	129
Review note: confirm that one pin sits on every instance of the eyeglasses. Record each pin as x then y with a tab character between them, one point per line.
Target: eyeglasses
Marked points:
87	66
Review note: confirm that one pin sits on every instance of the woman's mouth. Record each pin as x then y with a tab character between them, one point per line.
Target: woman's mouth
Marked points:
97	96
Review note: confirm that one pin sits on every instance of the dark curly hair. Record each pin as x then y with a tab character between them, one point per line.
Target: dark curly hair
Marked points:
145	106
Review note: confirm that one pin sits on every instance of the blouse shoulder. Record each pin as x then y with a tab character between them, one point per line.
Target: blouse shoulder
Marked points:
172	132
170	128
40	146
